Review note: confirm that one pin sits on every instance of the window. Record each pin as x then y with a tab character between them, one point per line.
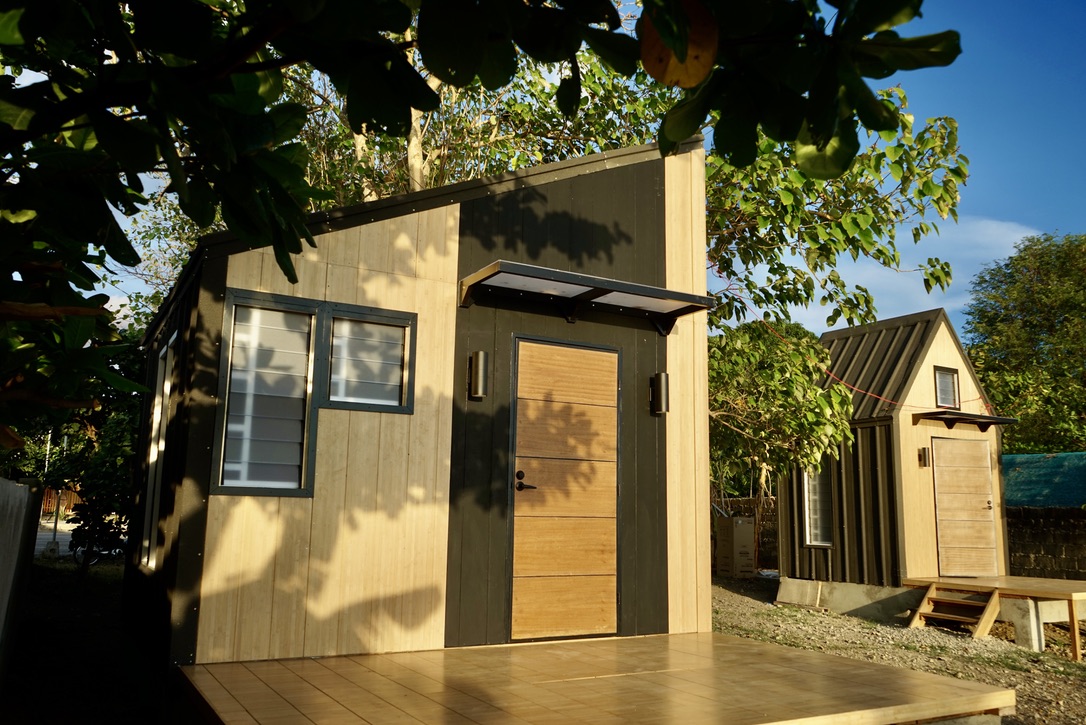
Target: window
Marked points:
160	420
818	505
946	388
266	407
369	363
290	357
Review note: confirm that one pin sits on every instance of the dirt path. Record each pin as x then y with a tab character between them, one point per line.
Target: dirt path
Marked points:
1050	687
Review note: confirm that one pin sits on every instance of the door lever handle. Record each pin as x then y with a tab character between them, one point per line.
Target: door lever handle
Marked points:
521	485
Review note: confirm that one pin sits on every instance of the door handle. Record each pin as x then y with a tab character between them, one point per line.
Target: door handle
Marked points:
521	485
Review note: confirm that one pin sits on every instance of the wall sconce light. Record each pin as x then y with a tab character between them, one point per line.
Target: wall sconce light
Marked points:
659	398
925	457
478	374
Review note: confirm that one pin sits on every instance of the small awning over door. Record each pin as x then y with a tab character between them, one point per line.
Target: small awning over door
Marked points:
570	293
951	418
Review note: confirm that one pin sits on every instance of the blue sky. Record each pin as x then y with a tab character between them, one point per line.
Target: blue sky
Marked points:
1018	92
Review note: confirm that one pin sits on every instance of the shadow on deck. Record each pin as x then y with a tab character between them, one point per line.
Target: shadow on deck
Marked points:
688	678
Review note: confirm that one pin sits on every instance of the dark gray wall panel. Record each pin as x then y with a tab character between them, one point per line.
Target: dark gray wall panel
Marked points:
609	224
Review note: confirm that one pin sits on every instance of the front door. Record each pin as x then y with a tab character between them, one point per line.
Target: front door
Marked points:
965	514
565	492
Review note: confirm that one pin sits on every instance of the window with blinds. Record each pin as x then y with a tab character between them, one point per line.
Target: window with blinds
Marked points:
290	357
946	388
367	362
818	506
266	407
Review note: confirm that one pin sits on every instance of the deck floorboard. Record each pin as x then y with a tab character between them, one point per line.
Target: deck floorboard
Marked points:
688	679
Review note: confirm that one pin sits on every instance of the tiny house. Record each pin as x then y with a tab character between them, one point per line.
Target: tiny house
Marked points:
479	417
918	492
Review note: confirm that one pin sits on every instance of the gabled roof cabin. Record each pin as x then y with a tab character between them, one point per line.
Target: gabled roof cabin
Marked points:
918	493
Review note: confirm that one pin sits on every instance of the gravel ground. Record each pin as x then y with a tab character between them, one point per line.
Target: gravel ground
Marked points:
1050	687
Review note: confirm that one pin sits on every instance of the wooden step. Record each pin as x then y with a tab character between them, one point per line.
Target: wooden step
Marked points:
960	602
949	617
940	603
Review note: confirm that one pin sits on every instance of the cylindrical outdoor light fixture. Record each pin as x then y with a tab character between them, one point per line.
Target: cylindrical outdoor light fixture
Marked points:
478	374
658	394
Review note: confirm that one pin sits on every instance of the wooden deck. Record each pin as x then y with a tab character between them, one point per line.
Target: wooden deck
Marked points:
1072	591
693	678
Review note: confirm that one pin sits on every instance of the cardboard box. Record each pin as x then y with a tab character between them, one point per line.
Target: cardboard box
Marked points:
735	546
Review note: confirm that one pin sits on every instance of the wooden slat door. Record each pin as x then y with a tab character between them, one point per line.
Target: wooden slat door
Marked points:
565	492
964	507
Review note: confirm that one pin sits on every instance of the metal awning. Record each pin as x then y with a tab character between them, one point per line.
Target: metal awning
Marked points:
571	293
951	418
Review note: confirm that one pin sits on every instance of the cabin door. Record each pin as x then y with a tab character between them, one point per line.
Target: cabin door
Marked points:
565	490
965	515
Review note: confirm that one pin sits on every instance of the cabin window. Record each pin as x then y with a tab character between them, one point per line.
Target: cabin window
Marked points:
290	357
266	408
370	363
818	505
160	417
946	388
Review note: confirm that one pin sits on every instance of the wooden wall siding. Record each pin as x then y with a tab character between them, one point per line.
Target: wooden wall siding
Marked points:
361	566
689	563
921	554
579	224
866	542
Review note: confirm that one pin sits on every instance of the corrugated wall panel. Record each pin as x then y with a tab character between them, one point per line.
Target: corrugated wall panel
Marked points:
865	529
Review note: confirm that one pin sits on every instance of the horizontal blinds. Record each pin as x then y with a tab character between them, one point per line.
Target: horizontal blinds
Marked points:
946	389
266	408
819	507
367	362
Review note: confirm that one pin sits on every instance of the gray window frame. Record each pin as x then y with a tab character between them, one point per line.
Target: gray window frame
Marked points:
823	538
322	315
957	388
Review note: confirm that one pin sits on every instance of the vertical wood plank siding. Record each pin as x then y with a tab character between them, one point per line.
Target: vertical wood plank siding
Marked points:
689	565
360	566
865	545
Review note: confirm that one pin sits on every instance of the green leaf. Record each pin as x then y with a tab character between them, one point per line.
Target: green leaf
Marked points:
450	39
687	117
568	95
498	64
547	34
870	16
132	143
200	202
834	159
736	140
874	113
18	216
119	382
16	116
887	51
618	50
9	27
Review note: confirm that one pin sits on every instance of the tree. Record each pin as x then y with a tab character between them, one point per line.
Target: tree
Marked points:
194	88
768	409
1025	332
776	234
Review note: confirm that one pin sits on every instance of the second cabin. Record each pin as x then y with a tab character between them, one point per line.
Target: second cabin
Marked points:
919	491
